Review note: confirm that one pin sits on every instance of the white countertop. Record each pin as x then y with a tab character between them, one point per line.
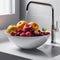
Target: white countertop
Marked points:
46	52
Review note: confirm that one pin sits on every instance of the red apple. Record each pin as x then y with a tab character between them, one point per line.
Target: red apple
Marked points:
28	34
28	27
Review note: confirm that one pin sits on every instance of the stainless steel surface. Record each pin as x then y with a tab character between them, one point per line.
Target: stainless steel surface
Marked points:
57	28
53	50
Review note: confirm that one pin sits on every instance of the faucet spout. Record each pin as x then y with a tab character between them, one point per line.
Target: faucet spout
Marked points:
45	4
34	2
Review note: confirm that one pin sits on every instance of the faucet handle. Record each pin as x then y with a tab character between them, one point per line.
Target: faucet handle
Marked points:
57	28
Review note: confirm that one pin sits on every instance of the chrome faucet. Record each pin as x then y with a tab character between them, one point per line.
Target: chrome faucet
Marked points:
53	29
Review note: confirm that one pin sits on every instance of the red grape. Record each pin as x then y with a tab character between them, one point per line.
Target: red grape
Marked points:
28	34
19	30
13	34
22	34
18	34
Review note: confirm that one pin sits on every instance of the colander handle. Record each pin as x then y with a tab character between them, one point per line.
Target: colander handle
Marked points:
45	4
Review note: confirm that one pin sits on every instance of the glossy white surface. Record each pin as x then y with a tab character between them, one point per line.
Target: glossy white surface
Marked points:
28	42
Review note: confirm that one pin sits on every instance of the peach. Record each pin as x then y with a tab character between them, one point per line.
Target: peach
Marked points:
34	25
11	28
21	24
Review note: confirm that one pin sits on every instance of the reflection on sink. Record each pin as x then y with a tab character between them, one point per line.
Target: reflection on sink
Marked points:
36	52
55	51
50	50
45	51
